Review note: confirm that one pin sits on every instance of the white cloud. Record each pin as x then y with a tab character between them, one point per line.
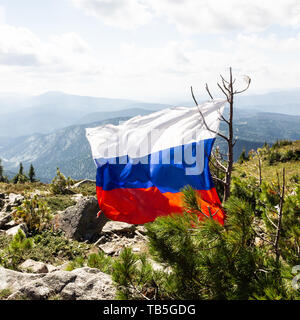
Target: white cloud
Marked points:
196	16
2	15
127	14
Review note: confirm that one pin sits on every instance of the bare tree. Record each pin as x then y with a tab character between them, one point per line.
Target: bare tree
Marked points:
224	163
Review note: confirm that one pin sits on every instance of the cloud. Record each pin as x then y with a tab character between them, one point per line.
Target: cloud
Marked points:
196	16
2	15
126	14
18	46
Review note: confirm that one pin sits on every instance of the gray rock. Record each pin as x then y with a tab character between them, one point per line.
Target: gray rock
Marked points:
90	284
4	219
117	227
12	223
14	280
79	284
15	199
52	268
13	231
80	222
34	266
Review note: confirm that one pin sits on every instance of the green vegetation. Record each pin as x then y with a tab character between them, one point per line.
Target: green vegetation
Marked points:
47	246
60	184
59	202
243	157
100	261
5	293
269	171
34	213
31	174
21	176
250	257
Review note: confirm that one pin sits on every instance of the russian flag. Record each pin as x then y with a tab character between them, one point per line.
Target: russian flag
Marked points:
145	162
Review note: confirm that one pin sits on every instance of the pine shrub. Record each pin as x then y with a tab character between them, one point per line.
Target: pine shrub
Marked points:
34	213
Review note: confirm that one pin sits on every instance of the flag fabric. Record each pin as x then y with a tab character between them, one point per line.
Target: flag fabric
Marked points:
145	162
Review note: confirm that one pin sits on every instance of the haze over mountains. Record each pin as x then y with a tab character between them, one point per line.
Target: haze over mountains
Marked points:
49	130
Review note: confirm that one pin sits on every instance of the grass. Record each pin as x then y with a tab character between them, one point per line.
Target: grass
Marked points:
5	293
87	189
48	247
58	202
22	188
269	172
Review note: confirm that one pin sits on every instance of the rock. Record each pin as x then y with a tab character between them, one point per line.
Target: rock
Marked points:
13	231
141	229
109	248
90	284
80	222
77	197
12	223
15	199
118	227
2	203
51	268
14	280
4	219
79	284
34	266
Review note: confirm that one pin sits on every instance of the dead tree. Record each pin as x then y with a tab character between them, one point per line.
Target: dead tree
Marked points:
224	163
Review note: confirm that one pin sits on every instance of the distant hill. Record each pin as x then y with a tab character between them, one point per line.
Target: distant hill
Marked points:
53	110
69	150
283	101
100	116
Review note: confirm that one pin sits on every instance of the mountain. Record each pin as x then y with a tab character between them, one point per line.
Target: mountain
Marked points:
284	101
100	116
54	110
69	150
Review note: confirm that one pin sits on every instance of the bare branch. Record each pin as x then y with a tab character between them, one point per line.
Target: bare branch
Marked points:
223	118
234	142
207	89
277	252
248	85
194	96
223	92
219	163
273	224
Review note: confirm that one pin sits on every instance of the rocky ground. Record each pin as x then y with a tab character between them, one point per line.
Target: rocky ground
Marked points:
78	223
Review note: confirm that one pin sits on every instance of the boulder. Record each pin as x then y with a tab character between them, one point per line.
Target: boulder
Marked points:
117	227
79	284
15	199
13	231
14	280
80	222
34	266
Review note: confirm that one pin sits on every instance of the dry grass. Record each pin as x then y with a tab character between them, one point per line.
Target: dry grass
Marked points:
269	172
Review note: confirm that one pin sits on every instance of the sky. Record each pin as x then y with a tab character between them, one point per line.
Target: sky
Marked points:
147	50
